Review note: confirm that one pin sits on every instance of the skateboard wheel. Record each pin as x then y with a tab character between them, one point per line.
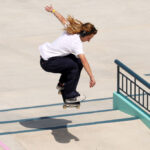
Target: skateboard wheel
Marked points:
64	107
78	107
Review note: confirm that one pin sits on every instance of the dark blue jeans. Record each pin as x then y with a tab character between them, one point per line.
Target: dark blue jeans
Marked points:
70	68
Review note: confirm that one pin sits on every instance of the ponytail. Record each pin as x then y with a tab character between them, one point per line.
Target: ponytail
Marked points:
74	26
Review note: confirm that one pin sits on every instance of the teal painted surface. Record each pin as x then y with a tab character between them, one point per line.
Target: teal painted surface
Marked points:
59	126
122	103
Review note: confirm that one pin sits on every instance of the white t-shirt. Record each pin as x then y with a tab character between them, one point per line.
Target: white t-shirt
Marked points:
66	44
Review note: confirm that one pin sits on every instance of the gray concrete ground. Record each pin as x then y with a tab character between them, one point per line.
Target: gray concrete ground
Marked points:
31	113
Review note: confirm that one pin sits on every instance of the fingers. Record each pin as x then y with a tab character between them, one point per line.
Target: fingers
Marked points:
46	8
92	84
49	8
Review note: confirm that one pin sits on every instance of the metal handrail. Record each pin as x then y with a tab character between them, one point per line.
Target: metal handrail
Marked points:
120	64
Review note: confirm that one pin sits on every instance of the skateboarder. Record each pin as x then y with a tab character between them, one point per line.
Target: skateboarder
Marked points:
66	56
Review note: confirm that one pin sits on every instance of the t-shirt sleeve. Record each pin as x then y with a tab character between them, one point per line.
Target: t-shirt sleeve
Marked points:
78	49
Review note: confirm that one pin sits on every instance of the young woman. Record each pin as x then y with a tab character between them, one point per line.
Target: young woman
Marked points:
66	56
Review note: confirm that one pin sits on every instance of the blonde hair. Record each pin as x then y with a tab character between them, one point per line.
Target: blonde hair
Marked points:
75	26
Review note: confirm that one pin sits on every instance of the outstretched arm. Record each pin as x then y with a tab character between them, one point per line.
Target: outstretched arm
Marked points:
88	69
57	14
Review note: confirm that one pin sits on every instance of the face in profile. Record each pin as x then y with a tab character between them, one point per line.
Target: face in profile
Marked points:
87	38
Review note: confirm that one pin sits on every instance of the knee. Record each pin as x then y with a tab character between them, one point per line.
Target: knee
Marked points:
75	69
80	66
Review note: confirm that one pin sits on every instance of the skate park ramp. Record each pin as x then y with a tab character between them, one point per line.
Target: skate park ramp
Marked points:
32	117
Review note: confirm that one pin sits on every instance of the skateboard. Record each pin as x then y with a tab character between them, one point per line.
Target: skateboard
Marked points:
71	105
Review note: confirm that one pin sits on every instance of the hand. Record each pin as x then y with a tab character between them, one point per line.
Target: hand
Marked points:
92	82
49	8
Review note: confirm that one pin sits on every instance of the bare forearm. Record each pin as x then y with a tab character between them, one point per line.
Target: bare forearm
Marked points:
60	17
86	66
88	69
56	13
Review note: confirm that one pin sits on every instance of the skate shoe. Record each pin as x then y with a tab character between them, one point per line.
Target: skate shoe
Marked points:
60	87
76	99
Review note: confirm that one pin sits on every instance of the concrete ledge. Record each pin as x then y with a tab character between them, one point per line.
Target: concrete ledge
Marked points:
123	104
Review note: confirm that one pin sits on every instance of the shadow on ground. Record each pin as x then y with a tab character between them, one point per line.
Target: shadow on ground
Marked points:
61	135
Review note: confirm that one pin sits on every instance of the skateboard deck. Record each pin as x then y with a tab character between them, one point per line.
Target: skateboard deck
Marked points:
71	105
